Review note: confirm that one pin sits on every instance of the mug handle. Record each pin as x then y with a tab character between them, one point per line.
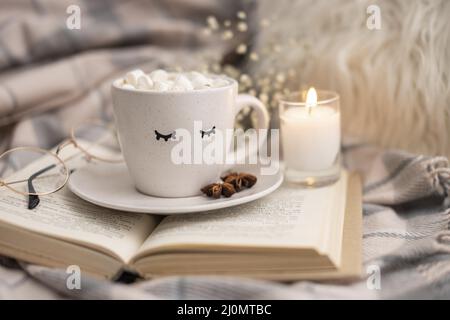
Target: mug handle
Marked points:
244	100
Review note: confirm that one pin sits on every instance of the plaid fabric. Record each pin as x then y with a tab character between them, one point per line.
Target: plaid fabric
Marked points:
52	77
405	236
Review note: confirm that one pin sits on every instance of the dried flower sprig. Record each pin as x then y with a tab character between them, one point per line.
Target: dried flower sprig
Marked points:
271	84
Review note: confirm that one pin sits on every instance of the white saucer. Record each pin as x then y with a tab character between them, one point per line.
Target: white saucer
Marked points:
110	186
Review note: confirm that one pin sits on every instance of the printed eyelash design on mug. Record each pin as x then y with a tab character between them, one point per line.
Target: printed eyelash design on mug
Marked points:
208	132
166	137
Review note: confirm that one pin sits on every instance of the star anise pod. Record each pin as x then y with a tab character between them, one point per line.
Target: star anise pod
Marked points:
231	174
228	189
214	190
240	180
248	180
236	180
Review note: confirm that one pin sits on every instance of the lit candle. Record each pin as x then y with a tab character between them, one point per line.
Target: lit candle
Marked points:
310	131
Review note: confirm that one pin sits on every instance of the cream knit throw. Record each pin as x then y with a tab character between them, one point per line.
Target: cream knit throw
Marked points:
393	82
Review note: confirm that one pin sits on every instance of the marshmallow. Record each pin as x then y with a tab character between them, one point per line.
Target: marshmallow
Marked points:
128	86
219	82
193	74
178	88
132	76
161	85
159	75
161	80
199	81
144	82
170	83
181	81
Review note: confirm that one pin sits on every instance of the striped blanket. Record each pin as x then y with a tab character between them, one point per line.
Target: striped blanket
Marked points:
406	246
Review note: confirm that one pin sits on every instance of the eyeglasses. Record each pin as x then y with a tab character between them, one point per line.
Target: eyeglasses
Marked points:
35	172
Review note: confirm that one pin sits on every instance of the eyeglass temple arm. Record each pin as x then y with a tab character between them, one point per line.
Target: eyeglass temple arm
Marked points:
64	144
33	199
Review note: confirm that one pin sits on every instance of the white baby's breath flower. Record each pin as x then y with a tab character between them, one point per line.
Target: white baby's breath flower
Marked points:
231	71
264	97
280	77
245	79
227	35
206	31
254	56
215	67
242	27
212	23
241	15
241	49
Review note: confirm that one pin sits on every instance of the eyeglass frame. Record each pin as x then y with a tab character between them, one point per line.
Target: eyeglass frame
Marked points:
34	196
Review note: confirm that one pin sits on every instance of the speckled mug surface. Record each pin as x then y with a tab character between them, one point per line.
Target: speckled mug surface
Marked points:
145	120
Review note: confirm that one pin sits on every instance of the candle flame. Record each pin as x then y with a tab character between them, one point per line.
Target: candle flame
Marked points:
311	97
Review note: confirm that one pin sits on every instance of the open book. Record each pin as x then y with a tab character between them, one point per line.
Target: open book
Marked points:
291	234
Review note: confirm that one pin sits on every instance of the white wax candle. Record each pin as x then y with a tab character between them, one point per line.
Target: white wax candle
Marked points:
311	138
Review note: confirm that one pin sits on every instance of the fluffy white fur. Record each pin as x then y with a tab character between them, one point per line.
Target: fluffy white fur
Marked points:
393	82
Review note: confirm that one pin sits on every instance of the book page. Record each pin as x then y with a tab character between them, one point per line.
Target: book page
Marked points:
290	217
65	216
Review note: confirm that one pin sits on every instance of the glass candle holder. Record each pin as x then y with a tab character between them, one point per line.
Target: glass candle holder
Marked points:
310	125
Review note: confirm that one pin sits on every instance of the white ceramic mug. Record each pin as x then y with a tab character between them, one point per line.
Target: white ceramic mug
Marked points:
146	119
